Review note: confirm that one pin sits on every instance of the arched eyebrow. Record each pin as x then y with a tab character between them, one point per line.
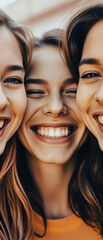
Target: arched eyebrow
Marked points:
14	68
89	61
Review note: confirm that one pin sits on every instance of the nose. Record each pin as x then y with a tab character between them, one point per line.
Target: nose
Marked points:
99	94
3	99
55	107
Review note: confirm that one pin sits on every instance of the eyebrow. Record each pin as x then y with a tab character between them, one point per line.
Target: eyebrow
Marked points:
36	81
14	68
69	81
41	81
89	61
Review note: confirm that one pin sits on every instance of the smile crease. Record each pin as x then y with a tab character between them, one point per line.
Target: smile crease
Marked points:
53	132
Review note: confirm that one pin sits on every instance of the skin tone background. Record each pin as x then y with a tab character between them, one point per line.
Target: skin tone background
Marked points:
12	91
51	106
90	88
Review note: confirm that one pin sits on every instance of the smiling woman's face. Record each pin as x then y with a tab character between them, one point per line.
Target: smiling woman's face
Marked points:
90	88
12	91
52	128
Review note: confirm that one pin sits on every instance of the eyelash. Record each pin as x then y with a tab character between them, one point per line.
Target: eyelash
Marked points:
91	75
13	80
71	91
37	93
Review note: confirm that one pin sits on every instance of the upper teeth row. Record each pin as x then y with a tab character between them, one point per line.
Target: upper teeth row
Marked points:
53	132
100	118
1	123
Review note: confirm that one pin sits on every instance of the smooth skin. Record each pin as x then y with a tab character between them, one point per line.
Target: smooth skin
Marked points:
12	91
90	88
52	128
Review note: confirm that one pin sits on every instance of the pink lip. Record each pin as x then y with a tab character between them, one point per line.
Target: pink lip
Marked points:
57	125
54	140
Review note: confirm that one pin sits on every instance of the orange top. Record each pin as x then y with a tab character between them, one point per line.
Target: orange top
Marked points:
70	228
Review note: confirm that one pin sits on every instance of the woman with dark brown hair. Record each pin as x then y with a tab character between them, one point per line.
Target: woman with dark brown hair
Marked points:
15	56
84	56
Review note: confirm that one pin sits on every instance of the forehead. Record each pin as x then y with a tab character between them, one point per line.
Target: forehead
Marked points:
47	62
9	47
94	41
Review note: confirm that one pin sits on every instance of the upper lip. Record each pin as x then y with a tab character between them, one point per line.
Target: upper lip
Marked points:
7	119
74	126
98	113
95	115
53	125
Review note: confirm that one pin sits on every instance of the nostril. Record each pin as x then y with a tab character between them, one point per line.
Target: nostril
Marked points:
61	113
48	112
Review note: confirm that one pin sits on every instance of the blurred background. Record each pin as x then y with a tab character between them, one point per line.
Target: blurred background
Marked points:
43	15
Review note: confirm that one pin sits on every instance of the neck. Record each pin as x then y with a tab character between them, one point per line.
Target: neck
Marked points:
52	181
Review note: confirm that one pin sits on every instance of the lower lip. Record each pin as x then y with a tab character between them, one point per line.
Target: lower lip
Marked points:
2	130
54	140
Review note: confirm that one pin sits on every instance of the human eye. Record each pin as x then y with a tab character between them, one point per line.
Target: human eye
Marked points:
13	80
70	93
35	93
90	75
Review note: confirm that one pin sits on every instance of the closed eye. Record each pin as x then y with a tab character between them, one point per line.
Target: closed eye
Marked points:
70	93
35	93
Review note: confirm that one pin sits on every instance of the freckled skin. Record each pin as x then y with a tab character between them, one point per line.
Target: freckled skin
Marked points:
12	92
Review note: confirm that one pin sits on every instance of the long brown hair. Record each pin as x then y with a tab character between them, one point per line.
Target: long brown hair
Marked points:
10	203
75	195
18	192
86	189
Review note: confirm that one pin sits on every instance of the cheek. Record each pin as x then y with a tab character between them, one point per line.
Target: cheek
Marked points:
73	107
82	97
33	106
18	102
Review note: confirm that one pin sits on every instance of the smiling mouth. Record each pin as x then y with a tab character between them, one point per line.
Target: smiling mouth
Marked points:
99	120
54	132
3	124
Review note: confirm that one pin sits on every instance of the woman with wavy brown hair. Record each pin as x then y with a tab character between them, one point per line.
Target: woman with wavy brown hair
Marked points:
55	147
15	56
84	56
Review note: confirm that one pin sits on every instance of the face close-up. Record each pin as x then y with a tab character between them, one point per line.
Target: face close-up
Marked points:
52	128
90	88
12	91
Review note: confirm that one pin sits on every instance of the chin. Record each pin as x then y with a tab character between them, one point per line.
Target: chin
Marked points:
100	145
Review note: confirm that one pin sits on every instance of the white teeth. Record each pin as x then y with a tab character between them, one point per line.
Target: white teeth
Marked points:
1	123
66	131
53	132
100	119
